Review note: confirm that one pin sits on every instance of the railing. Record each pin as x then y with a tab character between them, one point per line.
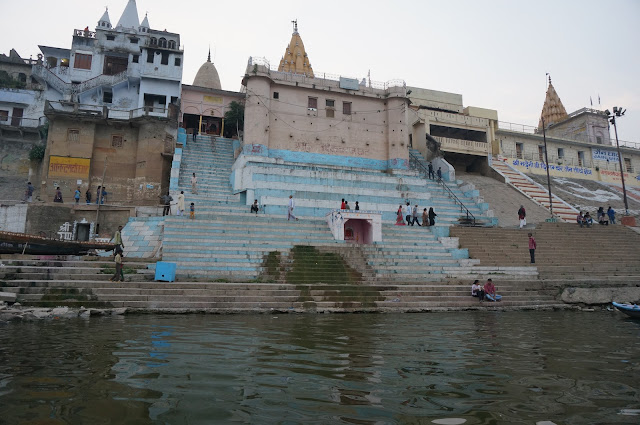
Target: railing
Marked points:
51	78
319	78
415	162
163	46
110	113
84	33
12	121
521	128
68	88
463	146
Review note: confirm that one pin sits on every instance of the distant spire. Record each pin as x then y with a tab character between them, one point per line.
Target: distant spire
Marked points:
295	26
129	18
105	21
145	23
553	110
209	57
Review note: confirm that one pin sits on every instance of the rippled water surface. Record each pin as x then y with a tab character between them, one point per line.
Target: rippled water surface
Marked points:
476	367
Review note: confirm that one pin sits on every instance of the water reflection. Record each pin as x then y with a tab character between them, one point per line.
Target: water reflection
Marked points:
481	368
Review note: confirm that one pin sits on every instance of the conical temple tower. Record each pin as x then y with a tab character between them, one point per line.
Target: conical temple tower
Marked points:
295	59
553	110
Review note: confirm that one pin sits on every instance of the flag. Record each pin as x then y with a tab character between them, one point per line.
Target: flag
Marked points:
598	99
590	99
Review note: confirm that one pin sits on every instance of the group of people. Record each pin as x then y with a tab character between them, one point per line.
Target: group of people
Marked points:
410	214
101	195
604	218
433	175
486	292
345	205
180	206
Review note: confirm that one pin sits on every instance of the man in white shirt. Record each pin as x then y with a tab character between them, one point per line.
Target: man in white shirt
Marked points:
408	212
292	205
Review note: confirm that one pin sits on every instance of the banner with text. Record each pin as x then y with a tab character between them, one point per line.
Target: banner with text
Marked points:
71	168
602	155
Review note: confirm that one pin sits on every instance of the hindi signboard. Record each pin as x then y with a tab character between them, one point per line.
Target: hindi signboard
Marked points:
602	155
71	168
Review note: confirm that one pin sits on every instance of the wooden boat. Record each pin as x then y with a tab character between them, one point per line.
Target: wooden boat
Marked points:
631	310
14	243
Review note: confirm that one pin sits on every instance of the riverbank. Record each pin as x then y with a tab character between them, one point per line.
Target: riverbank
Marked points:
18	312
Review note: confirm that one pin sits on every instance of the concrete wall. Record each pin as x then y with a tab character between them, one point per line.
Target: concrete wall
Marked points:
13	218
137	172
374	135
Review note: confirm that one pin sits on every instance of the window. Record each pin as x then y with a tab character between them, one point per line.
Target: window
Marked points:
178	62
162	42
330	103
153	41
346	108
150	56
312	103
172	44
82	61
519	149
107	97
73	135
135	58
541	153
560	153
276	95
111	37
627	165
599	140
580	158
22	77
116	141
133	40
114	65
4	115
165	58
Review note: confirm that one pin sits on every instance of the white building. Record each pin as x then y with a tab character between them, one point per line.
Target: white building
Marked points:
130	68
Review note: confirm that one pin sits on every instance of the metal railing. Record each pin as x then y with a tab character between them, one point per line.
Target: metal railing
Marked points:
521	128
62	86
21	122
416	163
319	78
110	113
84	33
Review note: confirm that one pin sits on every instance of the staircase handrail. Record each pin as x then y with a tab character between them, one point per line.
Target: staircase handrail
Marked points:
51	78
445	188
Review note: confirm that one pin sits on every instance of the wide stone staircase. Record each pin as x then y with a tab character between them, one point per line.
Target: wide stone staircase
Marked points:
535	191
567	255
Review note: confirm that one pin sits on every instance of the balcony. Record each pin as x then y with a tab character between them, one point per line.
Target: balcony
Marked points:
84	33
463	146
106	112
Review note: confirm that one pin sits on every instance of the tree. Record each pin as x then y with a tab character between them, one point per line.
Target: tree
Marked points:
234	119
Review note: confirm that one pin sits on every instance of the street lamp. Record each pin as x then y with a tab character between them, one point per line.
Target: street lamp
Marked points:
618	112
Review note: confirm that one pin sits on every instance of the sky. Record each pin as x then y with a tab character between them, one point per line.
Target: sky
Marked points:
496	54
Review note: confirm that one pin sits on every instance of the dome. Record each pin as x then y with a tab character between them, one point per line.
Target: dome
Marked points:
207	76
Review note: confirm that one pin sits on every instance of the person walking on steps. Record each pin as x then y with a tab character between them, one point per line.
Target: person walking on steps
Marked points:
399	219
612	215
522	216
408	213
192	211
292	205
118	275
28	194
532	248
195	134
414	215
98	194
432	217
425	218
181	207
166	204
439	173
194	184
76	195
431	174
117	239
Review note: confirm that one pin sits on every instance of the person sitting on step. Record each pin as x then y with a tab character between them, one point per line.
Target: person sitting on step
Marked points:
588	221
490	291
580	219
255	207
477	290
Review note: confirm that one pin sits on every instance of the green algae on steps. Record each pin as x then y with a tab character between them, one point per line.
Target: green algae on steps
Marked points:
325	273
54	297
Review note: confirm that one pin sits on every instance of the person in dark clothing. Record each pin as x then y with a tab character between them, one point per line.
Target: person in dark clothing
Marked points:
432	217
87	196
166	202
522	216
439	173
357	206
98	193
255	207
532	248
431	174
58	196
407	214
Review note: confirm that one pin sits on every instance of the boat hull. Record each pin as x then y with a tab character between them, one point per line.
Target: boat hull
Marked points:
631	310
19	243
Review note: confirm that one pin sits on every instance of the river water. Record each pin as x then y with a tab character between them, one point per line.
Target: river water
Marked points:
467	367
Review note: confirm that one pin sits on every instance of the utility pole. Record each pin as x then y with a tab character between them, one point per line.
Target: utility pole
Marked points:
546	160
104	172
618	112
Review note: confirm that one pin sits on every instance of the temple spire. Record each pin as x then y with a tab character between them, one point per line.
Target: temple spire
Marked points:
209	57
553	110
295	59
129	18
